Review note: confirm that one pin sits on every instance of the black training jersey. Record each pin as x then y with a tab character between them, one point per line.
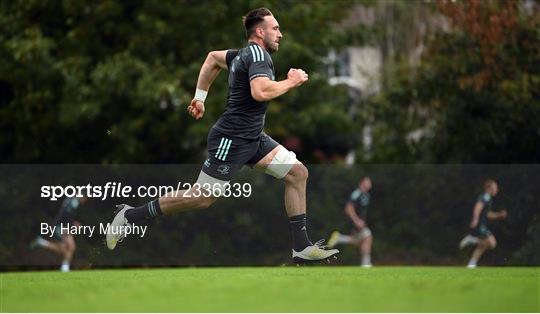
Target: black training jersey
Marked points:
244	116
360	200
486	199
67	211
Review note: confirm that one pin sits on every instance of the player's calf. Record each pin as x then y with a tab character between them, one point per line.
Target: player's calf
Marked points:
177	201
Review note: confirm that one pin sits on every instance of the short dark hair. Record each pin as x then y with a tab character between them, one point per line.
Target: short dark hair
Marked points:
253	19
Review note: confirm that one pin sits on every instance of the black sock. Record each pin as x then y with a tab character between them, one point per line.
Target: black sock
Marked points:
299	232
147	211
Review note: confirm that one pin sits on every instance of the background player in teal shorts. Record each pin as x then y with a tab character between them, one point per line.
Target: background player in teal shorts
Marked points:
479	233
356	210
66	246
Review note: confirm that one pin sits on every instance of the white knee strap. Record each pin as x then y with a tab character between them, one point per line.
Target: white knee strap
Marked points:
281	164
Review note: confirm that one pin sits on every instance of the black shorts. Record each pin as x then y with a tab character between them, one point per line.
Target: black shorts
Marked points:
58	233
227	154
62	218
481	231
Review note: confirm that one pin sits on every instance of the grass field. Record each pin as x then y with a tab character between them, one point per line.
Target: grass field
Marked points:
264	289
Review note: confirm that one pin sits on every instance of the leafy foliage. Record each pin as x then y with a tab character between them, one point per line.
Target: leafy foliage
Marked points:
116	77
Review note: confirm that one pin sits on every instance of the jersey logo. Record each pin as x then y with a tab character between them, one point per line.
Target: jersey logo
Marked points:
256	53
364	200
207	163
224	169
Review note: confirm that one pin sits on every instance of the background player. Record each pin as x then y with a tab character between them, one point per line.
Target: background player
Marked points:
65	247
479	233
356	210
237	138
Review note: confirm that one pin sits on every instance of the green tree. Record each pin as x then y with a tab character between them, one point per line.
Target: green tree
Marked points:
474	95
109	81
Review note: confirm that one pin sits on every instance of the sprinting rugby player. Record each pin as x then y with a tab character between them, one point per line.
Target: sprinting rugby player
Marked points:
66	244
356	209
479	233
238	139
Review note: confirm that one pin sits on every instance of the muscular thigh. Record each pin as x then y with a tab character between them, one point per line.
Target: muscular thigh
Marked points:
227	155
274	159
263	163
266	150
491	240
68	241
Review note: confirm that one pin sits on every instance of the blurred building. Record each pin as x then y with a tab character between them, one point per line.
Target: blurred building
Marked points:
399	31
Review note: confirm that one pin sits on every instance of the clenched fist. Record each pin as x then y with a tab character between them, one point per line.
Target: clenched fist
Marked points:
297	76
196	109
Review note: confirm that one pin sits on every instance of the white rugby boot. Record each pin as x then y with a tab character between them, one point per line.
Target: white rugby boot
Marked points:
113	237
314	253
468	240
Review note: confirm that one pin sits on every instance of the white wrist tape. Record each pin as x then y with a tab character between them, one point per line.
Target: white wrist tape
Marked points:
200	94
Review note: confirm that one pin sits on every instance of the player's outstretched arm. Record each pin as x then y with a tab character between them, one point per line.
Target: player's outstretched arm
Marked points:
264	89
497	215
215	61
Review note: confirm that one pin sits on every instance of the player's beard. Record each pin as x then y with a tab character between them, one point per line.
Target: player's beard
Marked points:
271	46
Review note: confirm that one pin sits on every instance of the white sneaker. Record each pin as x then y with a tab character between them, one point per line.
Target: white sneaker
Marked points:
313	253
113	236
468	240
366	265
334	237
471	266
64	268
38	242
